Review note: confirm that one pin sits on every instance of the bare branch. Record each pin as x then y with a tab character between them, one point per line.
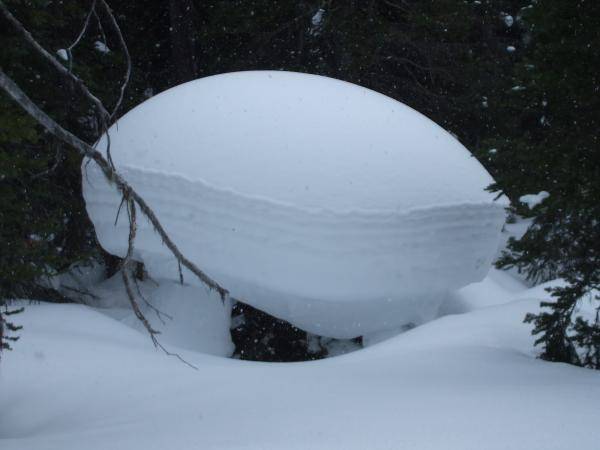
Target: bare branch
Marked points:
117	30
126	268
83	30
126	271
81	292
176	355
52	60
14	91
158	312
104	40
119	210
57	159
180	272
404	7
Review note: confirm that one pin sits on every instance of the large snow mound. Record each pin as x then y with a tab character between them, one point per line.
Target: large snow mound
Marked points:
318	201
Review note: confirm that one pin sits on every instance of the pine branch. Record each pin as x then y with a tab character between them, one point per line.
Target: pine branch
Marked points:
8	326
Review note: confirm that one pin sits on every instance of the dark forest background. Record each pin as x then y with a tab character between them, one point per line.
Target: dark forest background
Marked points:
516	81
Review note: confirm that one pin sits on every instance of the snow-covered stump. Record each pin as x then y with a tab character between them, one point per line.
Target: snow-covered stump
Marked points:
318	201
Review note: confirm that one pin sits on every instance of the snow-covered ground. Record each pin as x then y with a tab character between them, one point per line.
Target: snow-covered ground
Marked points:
79	379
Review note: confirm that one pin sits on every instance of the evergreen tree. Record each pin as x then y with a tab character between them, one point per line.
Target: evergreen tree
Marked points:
440	57
549	142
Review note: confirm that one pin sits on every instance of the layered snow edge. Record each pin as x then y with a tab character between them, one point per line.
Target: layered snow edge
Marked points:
305	265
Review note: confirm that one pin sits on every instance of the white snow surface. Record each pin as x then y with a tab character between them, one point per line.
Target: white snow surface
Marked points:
533	200
317	19
101	47
321	202
78	379
62	54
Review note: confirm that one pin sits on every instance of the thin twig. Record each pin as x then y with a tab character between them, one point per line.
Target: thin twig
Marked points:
176	355
126	274
119	210
101	28
84	29
57	159
107	134
80	292
157	311
52	60
80	35
117	30
404	8
126	268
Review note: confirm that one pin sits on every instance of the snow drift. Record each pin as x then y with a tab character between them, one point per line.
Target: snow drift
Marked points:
463	382
321	202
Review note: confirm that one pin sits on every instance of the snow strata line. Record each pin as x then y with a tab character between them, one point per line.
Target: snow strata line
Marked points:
231	193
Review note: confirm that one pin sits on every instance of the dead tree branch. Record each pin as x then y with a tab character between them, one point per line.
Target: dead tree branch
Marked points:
15	92
123	45
103	115
126	272
158	312
57	160
81	33
54	62
130	197
126	268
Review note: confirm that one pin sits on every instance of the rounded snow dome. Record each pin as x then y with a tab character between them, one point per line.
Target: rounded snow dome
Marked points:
321	202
